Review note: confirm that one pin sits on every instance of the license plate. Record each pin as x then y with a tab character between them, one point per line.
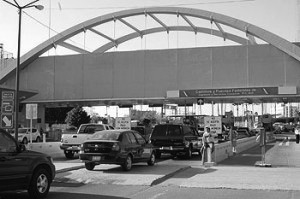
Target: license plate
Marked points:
96	158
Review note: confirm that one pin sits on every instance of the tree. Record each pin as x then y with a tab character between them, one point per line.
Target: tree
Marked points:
77	116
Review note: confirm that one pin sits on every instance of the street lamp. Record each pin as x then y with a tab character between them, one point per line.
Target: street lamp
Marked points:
20	8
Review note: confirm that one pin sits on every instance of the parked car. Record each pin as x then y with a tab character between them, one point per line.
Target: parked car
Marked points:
21	169
70	142
176	139
24	135
122	147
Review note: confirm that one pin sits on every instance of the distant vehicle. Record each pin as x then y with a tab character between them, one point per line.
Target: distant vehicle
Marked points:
176	139
22	169
24	135
122	147
70	142
243	132
278	127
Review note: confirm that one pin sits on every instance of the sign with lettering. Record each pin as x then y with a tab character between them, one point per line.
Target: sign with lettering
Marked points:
229	92
8	95
214	123
123	123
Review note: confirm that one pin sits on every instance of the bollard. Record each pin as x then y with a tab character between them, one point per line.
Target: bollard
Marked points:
44	137
209	162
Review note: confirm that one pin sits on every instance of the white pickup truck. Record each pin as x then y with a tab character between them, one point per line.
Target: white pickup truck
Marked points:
70	143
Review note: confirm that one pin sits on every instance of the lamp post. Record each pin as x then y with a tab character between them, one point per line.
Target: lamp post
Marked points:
17	84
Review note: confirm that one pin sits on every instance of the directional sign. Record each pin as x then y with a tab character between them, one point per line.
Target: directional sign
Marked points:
6	121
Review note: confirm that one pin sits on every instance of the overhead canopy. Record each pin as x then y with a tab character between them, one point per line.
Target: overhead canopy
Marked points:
23	94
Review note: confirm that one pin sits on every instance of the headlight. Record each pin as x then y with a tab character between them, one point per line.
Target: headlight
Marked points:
116	147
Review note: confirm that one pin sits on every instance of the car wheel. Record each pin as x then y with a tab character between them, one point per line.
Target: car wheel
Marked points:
25	141
40	184
127	165
38	139
69	154
158	154
89	166
151	161
188	153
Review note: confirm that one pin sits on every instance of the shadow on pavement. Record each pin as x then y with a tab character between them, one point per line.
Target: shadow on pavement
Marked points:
58	195
246	158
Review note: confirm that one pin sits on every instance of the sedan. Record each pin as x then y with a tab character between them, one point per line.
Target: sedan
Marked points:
122	147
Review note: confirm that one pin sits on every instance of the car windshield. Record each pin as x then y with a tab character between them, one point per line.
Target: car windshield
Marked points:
22	130
106	135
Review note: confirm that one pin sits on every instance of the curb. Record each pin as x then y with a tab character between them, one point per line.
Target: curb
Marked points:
69	169
165	177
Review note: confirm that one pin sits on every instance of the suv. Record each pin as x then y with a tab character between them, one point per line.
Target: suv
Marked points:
176	139
24	135
21	169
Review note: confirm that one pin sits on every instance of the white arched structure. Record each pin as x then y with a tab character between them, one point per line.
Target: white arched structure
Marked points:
250	30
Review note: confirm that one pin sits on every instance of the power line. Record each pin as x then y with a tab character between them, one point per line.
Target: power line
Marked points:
171	5
46	26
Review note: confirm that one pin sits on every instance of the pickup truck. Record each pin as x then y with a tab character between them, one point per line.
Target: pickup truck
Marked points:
70	143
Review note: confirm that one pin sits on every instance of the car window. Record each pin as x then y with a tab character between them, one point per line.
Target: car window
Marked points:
132	138
174	130
7	144
106	135
139	138
160	130
187	131
99	128
82	129
125	138
22	131
33	130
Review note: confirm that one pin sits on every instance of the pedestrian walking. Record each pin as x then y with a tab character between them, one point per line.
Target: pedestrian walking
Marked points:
297	133
233	134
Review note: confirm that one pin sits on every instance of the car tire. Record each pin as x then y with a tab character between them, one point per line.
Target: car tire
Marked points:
89	165
127	165
38	139
25	141
188	153
151	161
40	184
69	154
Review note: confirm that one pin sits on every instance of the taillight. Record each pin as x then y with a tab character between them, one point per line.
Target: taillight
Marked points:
81	151
115	147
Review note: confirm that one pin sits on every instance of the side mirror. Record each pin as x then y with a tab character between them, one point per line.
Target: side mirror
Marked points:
21	147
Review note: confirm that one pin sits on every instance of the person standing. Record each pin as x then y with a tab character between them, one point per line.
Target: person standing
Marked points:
208	142
233	139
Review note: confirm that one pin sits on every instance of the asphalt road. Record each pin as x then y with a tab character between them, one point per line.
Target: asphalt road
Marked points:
110	182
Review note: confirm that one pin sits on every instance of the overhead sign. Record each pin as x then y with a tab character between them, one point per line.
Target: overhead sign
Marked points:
6	121
31	111
123	123
229	92
214	123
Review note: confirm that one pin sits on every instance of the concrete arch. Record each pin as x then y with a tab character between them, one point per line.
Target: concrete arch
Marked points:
130	36
249	29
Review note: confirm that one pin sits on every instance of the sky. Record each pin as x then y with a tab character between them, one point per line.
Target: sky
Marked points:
280	17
